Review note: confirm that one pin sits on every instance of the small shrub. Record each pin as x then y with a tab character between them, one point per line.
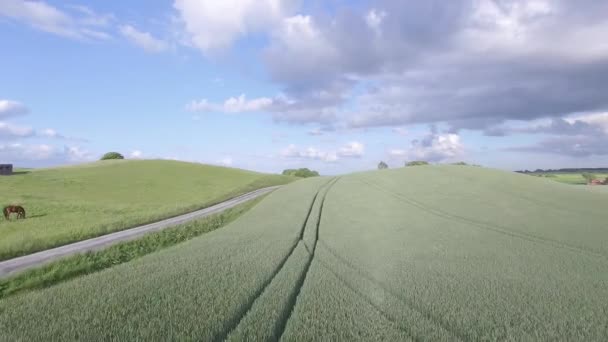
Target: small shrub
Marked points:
382	165
588	177
112	155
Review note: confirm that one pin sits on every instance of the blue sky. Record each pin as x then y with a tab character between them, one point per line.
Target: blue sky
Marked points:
332	85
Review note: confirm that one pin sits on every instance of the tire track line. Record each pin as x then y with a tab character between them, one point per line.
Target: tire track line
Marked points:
295	294
388	290
245	308
486	226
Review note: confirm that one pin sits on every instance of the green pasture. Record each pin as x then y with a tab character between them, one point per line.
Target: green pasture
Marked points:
441	253
569	178
68	204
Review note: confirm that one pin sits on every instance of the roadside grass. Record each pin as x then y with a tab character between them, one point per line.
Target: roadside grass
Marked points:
74	203
90	262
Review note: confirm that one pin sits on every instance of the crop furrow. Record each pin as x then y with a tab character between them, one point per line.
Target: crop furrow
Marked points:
244	309
234	322
486	226
293	297
410	304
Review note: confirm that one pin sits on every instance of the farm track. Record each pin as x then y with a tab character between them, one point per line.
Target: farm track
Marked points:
486	226
311	255
280	325
11	266
392	293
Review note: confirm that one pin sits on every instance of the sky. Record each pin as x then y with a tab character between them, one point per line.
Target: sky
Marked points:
333	85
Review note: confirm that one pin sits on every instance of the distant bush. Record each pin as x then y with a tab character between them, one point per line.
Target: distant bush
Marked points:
417	163
382	165
460	163
112	155
302	172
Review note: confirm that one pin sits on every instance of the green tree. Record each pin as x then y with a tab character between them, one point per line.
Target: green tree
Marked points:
302	172
382	165
112	155
416	163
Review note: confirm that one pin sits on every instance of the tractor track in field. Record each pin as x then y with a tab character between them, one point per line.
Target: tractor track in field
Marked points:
233	323
486	226
381	312
392	293
298	288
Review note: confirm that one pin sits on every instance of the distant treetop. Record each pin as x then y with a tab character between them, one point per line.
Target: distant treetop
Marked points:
302	172
382	165
112	155
416	163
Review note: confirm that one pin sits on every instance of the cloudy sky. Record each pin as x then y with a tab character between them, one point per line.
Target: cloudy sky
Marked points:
335	85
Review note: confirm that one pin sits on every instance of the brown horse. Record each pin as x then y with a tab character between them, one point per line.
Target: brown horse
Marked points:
14	209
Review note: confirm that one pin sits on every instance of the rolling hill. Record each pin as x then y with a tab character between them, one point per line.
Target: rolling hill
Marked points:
420	253
73	203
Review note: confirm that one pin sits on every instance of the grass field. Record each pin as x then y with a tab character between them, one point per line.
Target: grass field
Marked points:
424	253
80	264
569	178
74	203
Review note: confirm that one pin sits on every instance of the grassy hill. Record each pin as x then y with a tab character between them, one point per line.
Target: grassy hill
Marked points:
73	203
421	253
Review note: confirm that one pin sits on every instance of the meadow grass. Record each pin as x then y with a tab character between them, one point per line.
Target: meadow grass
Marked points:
74	203
95	261
424	253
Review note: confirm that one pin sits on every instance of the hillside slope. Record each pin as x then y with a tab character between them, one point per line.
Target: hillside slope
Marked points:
421	253
73	203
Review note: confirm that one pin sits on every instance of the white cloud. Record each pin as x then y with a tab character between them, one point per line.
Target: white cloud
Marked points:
77	154
232	105
226	161
433	147
599	120
292	151
10	108
51	133
35	155
316	132
143	39
400	130
374	20
215	25
136	154
45	17
21	152
350	150
9	131
396	152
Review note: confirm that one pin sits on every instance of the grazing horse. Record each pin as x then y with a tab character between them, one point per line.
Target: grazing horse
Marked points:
14	209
